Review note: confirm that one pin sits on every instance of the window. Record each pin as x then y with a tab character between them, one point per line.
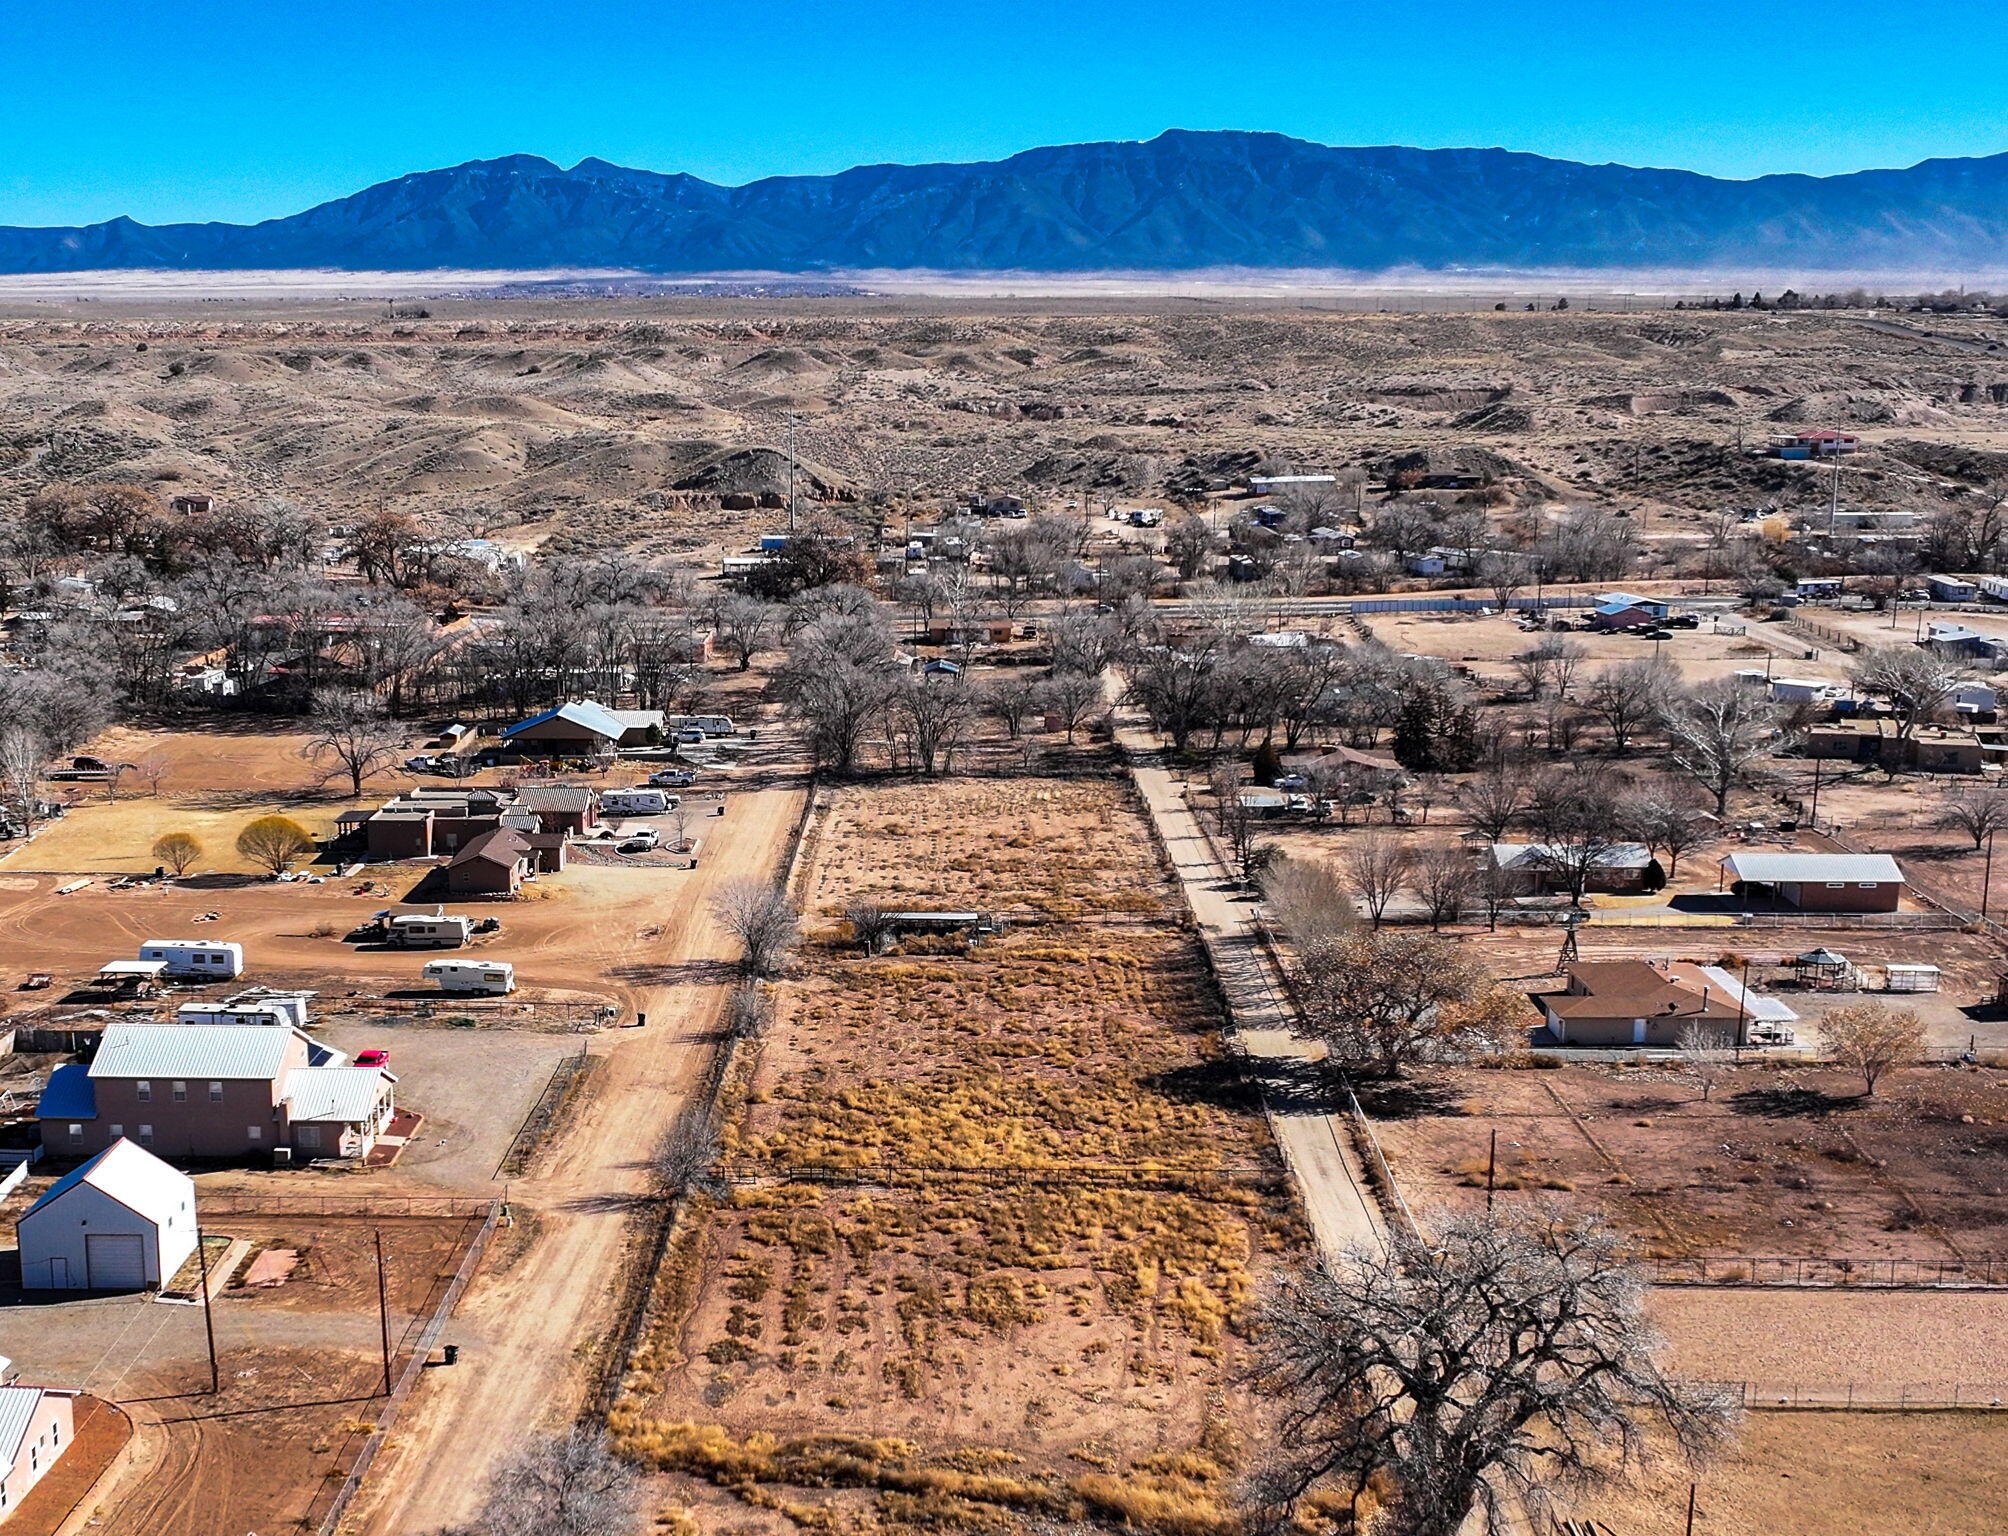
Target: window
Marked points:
117	1132
1865	885
254	1133
181	1093
216	1093
310	1136
146	1135
145	1090
1837	885
76	1133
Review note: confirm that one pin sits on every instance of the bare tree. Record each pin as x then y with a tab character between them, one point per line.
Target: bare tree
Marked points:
1915	683
1664	818
1072	698
177	851
1445	879
1719	732
1708	1051
759	915
1577	819
930	717
1467	1373
1495	801
1871	1038
1189	544
355	734
1235	821
570	1484
870	924
1382	1001
748	1011
1011	700
1378	865
744	625
1978	810
1629	697
1549	667
275	843
1307	899
24	753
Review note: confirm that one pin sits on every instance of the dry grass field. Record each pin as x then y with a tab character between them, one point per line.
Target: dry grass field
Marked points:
1017	1283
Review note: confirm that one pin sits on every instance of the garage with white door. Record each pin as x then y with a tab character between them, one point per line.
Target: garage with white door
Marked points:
124	1221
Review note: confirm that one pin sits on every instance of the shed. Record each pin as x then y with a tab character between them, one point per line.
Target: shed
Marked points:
124	1221
1911	978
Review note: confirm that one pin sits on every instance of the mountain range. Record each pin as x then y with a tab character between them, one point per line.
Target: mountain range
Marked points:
1181	201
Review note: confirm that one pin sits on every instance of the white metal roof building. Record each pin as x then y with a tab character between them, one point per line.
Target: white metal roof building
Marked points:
192	1050
1820	882
125	1220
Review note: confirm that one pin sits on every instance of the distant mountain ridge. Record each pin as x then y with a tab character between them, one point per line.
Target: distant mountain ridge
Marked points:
1181	201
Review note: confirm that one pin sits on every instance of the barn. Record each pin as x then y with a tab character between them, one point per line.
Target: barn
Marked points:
124	1221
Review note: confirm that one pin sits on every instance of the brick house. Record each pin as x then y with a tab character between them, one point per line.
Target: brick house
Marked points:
495	864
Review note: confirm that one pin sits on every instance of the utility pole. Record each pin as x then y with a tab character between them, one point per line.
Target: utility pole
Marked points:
791	476
1491	1163
1987	877
208	1318
1834	493
1816	793
1692	1490
383	1310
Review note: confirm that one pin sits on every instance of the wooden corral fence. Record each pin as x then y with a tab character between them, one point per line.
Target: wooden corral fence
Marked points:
359	1204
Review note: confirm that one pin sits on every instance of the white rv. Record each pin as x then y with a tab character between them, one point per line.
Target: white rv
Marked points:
635	802
192	958
257	1006
710	725
427	930
494	976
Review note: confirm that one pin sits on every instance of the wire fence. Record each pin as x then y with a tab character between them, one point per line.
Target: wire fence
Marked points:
359	1204
1862	1397
414	1365
1826	1273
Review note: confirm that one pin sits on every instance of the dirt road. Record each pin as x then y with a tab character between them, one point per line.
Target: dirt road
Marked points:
525	1327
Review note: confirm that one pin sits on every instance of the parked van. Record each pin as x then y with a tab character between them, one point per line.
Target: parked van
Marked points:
635	802
494	976
191	958
427	930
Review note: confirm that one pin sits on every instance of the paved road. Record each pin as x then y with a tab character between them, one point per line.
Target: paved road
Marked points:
1318	1146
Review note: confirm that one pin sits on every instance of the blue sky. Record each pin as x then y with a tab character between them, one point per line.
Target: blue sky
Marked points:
247	109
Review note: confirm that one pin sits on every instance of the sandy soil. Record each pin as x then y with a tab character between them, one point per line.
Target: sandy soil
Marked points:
1937	1474
1784	1161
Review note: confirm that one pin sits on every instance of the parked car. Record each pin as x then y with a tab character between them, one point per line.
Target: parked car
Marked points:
641	842
672	778
1655	634
690	738
373	1058
423	763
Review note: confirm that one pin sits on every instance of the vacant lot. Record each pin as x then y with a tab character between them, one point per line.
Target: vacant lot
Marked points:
1040	1198
1781	1160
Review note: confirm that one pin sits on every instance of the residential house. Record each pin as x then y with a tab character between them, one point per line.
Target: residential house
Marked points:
1539	869
37	1425
1951	589
1624	610
122	1221
494	864
1959	640
1639	1002
423	823
1928	749
208	1091
583	728
1818	882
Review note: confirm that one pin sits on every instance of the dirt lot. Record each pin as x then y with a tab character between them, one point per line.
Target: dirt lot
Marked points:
1053	1197
1837	1474
299	1367
1487	644
1782	1160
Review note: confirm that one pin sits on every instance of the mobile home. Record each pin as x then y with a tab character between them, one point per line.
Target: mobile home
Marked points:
192	958
635	802
492	976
